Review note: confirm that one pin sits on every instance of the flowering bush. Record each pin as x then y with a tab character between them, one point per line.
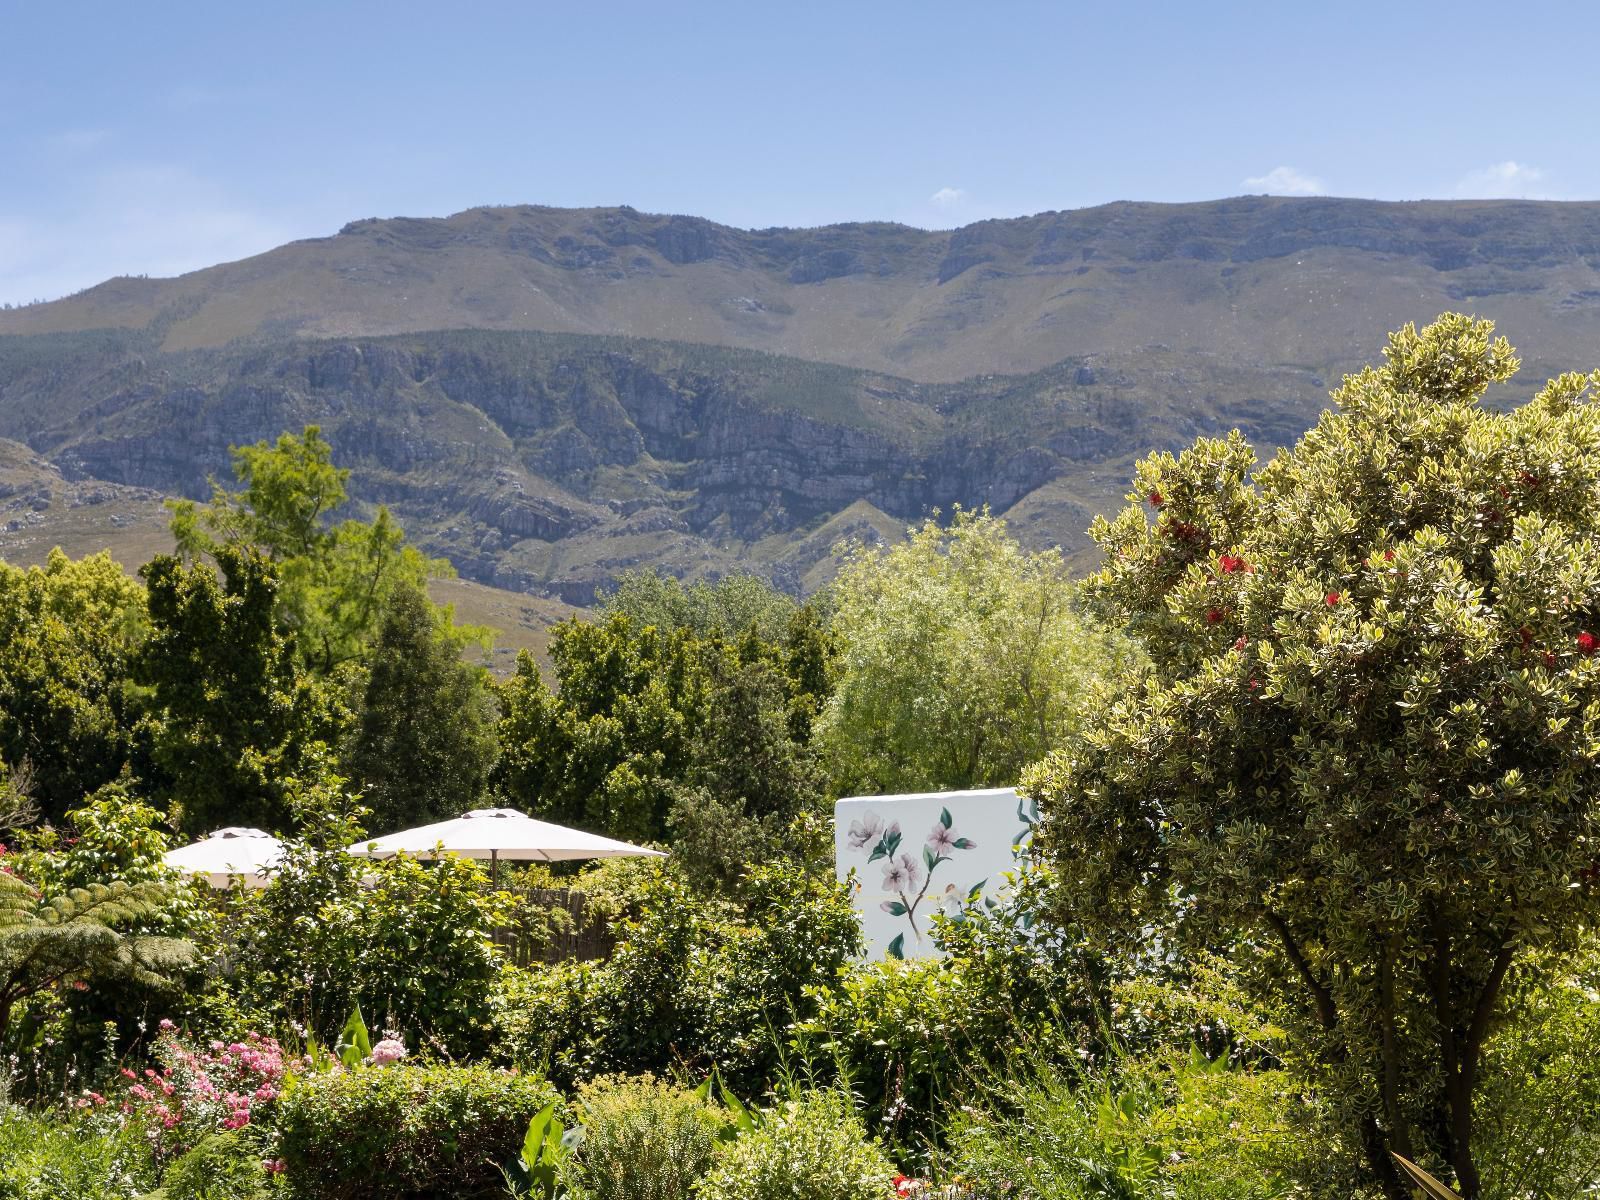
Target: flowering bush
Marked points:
199	1091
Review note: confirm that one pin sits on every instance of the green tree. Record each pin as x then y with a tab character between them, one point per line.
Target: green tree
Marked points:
1368	741
237	722
730	607
80	936
333	579
603	751
747	780
424	741
68	633
960	660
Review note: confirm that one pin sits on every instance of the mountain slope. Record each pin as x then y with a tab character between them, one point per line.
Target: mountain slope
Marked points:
1312	282
550	397
552	462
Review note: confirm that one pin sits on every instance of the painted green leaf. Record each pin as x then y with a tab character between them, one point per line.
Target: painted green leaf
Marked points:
944	818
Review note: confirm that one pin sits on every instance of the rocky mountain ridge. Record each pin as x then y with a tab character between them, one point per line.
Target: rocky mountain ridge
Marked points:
549	397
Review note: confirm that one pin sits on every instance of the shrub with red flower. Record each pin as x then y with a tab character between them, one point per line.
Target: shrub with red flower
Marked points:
1587	642
199	1091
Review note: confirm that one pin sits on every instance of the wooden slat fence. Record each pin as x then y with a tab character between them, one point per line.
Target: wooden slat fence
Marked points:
553	925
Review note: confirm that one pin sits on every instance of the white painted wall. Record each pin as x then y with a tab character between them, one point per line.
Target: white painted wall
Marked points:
918	854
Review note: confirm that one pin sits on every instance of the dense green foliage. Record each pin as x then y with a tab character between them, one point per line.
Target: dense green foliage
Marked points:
80	937
1369	741
1185	1129
237	722
424	740
409	942
809	1148
417	1133
694	981
961	661
334	580
694	727
68	635
42	1158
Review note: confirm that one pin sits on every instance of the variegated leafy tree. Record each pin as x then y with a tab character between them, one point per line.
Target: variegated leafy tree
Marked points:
1367	749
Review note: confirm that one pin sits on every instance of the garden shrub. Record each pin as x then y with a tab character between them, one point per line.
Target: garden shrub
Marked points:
1536	1114
643	1139
693	982
221	1166
440	1132
80	1157
1184	1128
202	1090
414	949
912	1038
813	1147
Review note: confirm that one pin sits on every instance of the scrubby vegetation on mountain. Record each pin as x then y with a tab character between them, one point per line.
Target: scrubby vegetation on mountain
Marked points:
487	375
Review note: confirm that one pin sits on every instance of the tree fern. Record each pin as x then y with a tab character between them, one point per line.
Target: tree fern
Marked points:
81	935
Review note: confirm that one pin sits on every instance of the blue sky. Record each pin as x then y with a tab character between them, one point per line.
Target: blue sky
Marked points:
159	138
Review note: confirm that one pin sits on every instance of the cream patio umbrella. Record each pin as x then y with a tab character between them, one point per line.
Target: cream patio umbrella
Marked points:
248	854
497	833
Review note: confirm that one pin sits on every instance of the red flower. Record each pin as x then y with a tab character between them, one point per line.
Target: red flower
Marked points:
1157	500
1213	615
1587	642
1526	635
1241	643
1549	658
1331	598
1231	564
1254	684
1388	556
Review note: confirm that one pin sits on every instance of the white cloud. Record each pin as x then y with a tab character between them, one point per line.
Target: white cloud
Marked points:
1286	181
130	220
947	197
1509	180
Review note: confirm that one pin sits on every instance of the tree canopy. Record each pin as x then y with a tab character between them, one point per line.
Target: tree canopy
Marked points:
1367	745
333	577
960	660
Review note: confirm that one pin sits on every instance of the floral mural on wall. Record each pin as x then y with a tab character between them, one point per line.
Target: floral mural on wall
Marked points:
907	877
911	858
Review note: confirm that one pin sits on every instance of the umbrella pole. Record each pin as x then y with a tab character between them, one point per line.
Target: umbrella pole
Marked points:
494	866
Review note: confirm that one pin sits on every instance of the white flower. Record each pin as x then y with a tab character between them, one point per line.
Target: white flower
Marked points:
941	841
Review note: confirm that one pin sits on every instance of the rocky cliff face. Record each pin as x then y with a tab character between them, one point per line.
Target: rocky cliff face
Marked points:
802	385
551	464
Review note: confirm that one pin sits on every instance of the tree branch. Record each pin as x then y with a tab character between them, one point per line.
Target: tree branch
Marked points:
1327	1010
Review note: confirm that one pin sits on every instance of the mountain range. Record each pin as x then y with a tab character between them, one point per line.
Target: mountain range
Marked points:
551	396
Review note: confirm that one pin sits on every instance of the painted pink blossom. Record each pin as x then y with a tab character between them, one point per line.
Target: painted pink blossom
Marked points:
903	874
941	841
864	831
